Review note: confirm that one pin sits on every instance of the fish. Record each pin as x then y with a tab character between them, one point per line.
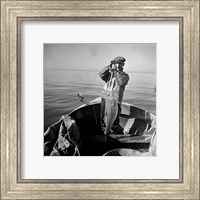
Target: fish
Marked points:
111	103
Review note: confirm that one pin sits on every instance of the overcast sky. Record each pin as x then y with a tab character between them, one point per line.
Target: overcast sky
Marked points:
139	57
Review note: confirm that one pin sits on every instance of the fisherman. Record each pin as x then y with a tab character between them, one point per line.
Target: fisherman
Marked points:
107	74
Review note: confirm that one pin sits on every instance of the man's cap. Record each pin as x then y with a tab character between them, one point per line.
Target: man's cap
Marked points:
119	59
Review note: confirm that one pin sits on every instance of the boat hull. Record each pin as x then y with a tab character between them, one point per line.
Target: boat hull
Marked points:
138	125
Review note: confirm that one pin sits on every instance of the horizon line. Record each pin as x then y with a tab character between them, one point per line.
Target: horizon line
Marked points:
71	69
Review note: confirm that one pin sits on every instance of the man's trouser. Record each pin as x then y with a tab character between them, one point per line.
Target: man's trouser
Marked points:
102	114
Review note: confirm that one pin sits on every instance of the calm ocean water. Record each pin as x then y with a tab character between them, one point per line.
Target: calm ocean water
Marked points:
62	86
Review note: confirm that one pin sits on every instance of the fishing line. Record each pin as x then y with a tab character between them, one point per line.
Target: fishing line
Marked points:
81	96
95	115
94	78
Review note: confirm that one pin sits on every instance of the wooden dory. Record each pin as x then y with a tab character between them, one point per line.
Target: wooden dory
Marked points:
138	126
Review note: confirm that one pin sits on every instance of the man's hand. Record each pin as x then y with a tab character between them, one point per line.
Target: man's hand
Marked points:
112	68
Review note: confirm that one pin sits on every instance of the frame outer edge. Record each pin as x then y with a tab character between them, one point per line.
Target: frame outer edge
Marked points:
6	99
5	126
195	98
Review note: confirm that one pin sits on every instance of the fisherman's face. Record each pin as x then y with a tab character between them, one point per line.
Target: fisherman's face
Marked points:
120	66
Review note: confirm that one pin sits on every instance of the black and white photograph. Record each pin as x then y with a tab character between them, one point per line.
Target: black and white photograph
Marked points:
99	99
